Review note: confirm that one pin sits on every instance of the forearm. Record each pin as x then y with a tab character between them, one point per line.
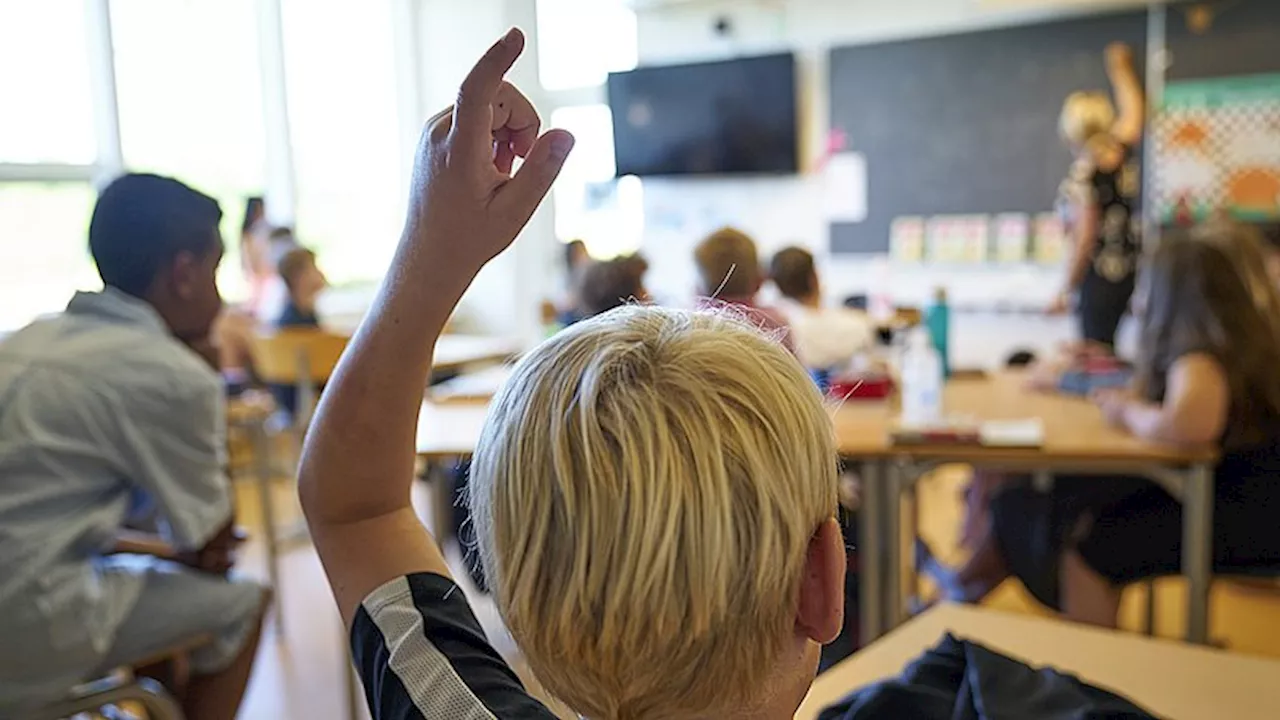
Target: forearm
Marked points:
1080	260
1131	101
1154	422
140	543
359	455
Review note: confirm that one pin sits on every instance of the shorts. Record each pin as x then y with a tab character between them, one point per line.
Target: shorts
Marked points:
1129	529
170	605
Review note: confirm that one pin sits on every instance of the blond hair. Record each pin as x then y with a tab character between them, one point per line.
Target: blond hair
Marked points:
728	264
644	494
1086	115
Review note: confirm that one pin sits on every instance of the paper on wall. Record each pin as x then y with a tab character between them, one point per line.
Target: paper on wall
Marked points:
906	239
1013	234
846	187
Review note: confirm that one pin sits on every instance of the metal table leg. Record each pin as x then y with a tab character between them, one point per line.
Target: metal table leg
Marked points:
1197	549
895	607
870	553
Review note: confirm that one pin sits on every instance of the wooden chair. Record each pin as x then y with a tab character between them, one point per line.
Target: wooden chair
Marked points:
303	358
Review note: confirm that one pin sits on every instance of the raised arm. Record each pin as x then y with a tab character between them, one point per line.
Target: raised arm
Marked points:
465	207
1128	91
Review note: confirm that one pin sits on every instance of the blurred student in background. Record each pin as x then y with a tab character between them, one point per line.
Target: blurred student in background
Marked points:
612	283
303	281
568	308
112	410
1206	376
730	276
254	261
1099	199
826	338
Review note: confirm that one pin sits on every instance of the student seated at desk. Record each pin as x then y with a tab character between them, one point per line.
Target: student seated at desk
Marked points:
611	284
654	492
1211	346
304	281
730	276
102	406
826	338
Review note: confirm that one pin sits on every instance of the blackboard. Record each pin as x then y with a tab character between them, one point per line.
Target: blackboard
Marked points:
965	124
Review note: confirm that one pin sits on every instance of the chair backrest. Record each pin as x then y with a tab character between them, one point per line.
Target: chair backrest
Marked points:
292	355
301	357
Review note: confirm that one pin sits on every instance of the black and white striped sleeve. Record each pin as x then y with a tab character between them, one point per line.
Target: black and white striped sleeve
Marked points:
421	654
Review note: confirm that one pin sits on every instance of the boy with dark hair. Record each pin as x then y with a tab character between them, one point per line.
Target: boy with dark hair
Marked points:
612	283
826	338
102	406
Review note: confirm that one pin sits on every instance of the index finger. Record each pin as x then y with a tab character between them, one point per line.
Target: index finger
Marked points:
471	112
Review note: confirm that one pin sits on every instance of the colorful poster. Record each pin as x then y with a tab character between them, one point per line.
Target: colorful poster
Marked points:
906	239
945	239
975	240
1050	237
1013	236
1217	148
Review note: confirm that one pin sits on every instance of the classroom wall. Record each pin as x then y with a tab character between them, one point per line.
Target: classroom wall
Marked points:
505	297
783	211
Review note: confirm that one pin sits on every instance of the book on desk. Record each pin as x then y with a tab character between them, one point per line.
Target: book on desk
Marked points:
1017	433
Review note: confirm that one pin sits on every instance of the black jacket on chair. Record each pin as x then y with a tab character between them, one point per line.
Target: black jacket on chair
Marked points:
962	680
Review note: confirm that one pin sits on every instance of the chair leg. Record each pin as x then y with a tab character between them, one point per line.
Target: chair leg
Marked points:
153	698
1149	622
262	449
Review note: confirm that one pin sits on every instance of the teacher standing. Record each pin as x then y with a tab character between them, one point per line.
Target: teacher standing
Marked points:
1100	198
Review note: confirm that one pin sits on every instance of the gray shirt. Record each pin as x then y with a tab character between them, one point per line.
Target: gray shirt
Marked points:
100	409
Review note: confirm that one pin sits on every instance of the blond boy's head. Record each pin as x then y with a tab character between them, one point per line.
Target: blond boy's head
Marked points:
728	264
653	497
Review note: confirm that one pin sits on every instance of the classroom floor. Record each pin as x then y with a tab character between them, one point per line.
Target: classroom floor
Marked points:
299	673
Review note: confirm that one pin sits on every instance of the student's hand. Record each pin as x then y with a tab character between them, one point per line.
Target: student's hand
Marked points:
1113	402
208	351
465	205
218	555
1059	305
1119	55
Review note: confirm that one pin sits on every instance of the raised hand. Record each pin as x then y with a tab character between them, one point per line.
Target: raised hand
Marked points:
1119	54
465	205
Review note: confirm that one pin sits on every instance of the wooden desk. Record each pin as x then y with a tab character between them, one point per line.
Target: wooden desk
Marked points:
472	387
1169	679
449	430
1076	440
455	352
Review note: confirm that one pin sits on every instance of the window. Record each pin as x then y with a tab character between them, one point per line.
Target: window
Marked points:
44	248
606	214
48	108
340	75
190	102
581	41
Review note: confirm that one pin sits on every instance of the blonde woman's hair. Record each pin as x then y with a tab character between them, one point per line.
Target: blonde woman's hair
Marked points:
644	494
1086	115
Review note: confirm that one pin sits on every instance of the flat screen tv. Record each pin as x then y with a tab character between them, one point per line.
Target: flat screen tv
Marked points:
718	118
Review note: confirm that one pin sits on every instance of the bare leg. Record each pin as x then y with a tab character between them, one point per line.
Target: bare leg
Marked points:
217	697
977	517
975	579
1087	597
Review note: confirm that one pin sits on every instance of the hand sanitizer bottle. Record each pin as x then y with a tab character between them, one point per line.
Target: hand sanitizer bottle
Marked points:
922	379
